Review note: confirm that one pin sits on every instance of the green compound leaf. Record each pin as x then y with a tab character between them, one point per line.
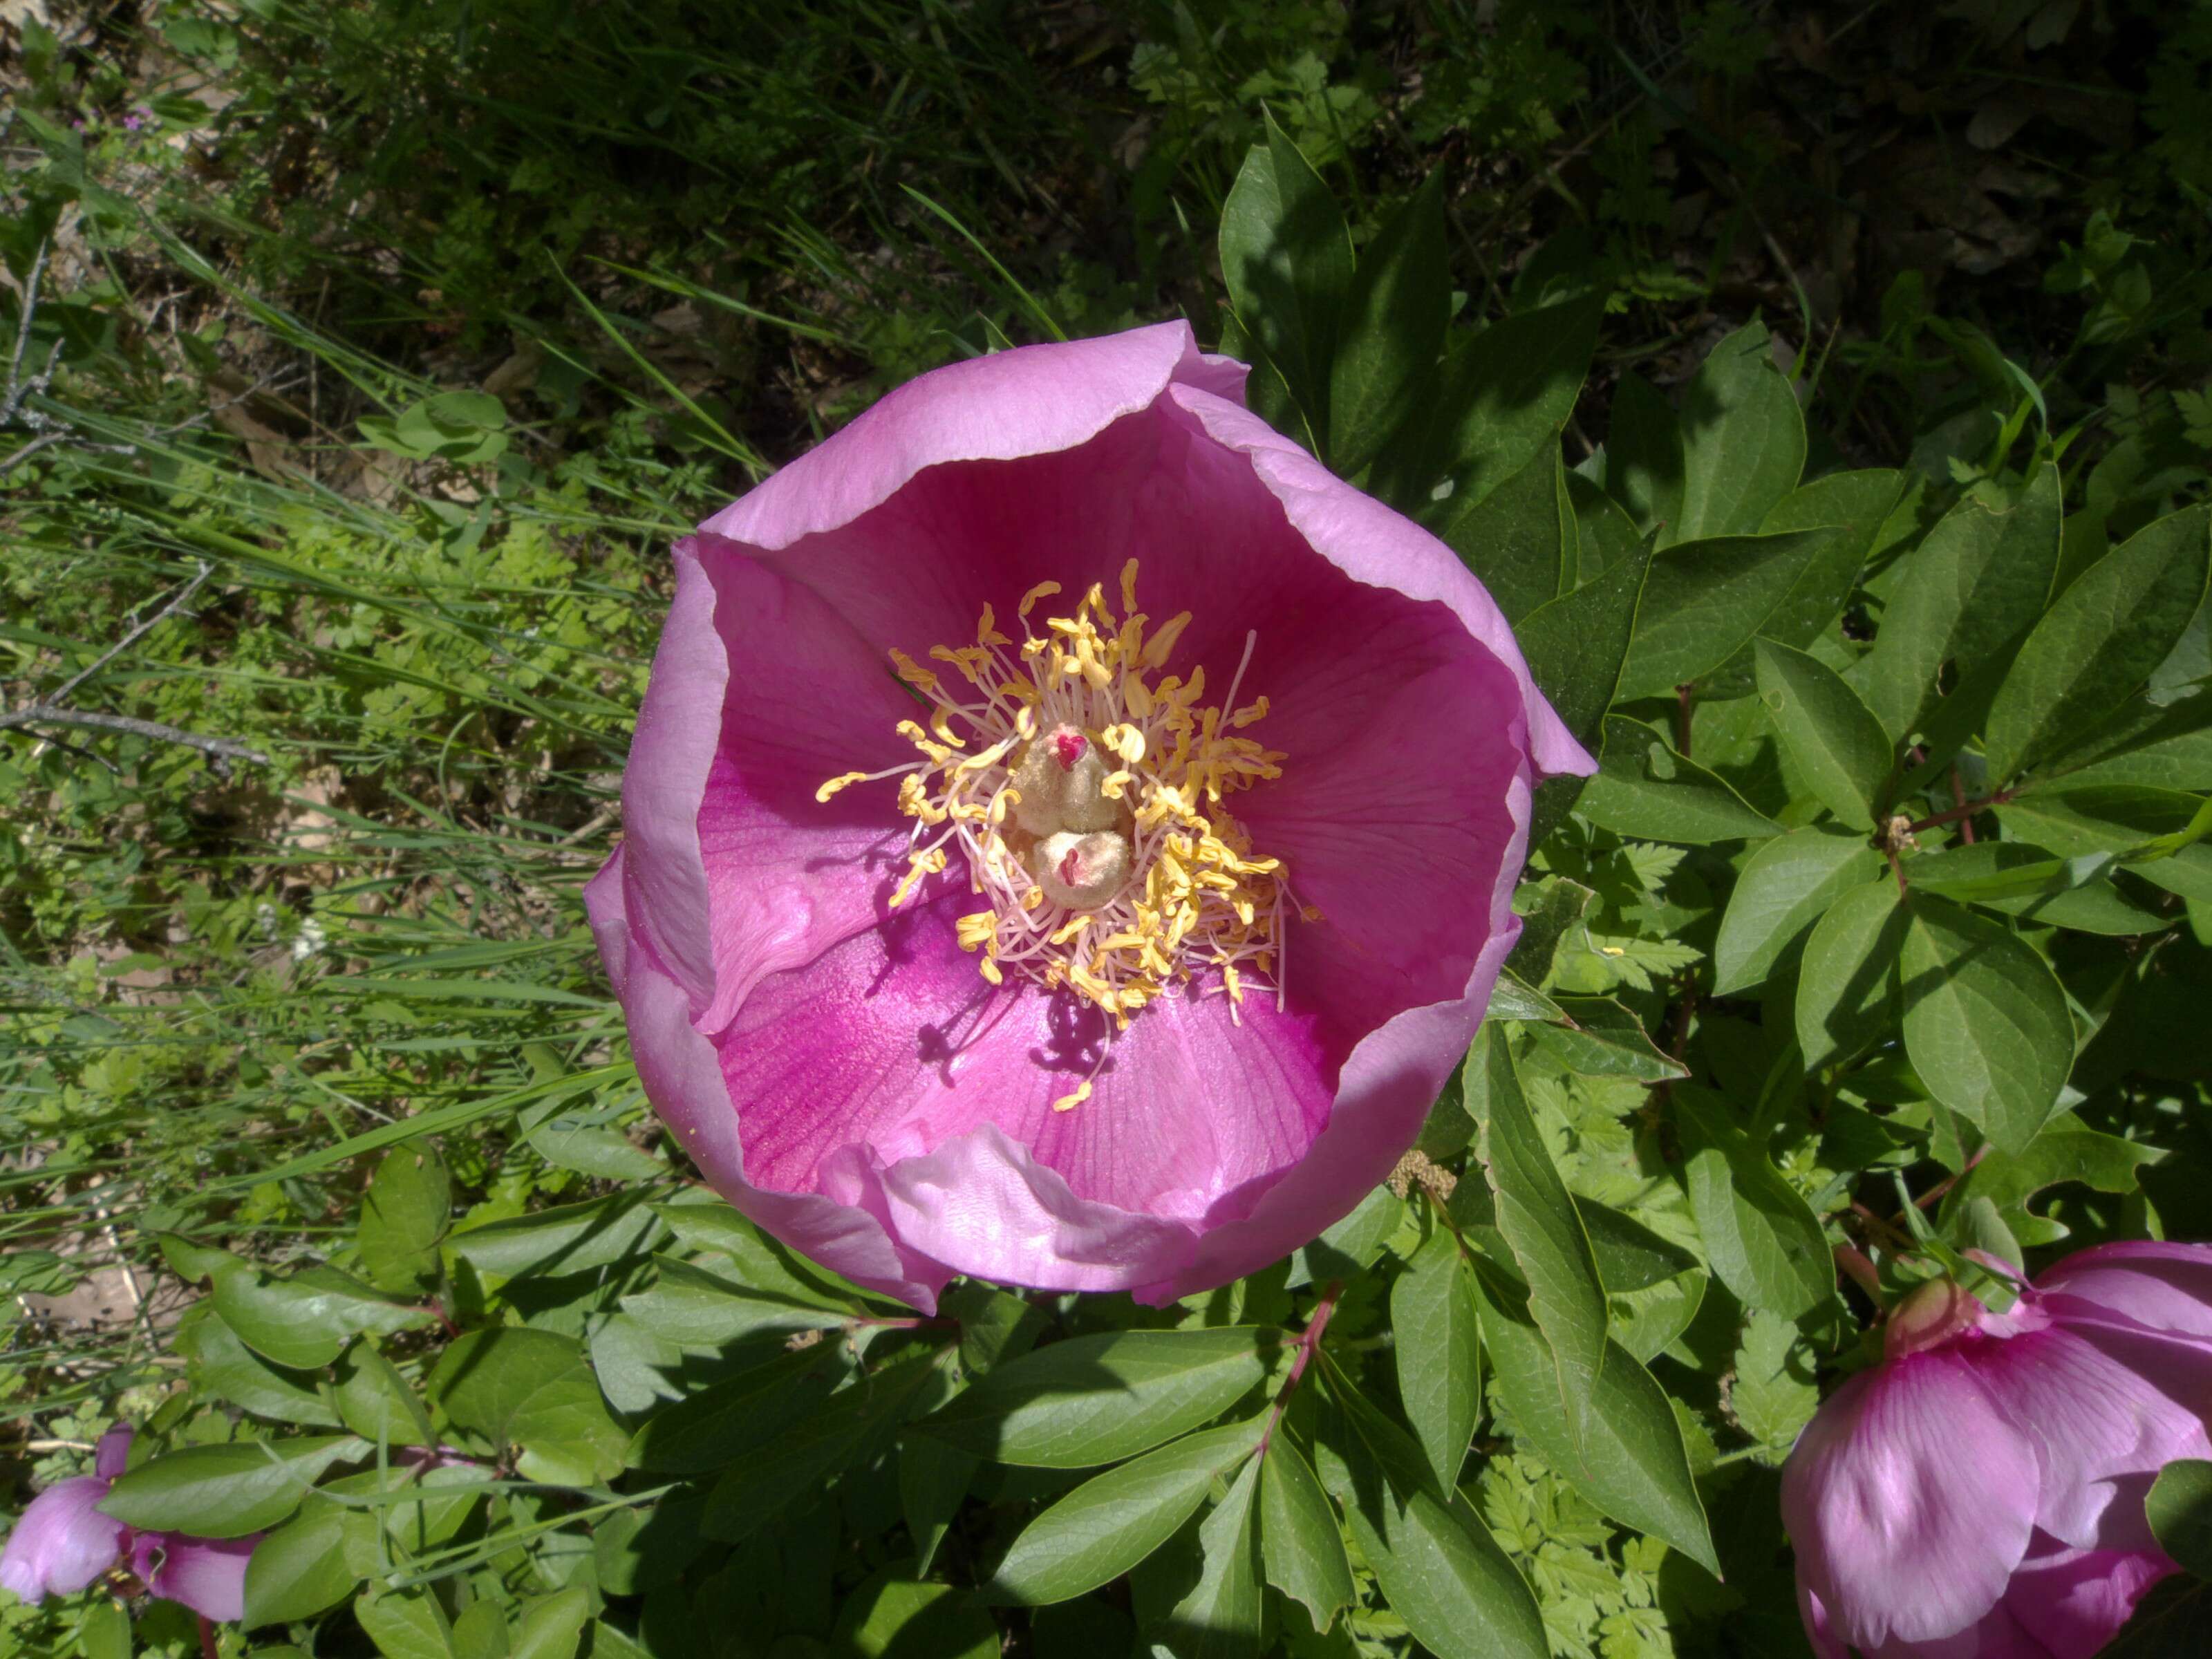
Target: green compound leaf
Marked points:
1286	258
1847	988
1439	1352
406	1211
304	1321
1986	1023
1705	600
856	1423
1617	1443
2101	641
1774	1394
1542	1227
1839	745
1979	578
1394	332
1439	1567
1743	439
1762	1239
300	1569
1785	887
226	1491
1098	1399
1219	1619
1300	1544
533	1389
1645	790
1110	1523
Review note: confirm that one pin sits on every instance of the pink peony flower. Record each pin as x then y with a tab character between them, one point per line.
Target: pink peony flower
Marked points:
1979	1494
1069	832
62	1543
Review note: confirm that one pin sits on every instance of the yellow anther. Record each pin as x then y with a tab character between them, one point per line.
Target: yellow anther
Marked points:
1186	895
1069	1102
922	680
843	779
1164	639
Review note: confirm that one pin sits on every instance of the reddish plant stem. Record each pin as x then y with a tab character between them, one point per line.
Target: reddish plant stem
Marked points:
1887	1231
1959	793
916	1324
1682	721
208	1649
1964	810
1309	1339
1945	1185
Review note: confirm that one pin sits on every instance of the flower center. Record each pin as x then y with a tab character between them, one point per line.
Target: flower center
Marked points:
1086	794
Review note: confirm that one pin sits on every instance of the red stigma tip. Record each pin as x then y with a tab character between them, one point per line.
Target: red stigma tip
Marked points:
1068	748
1071	867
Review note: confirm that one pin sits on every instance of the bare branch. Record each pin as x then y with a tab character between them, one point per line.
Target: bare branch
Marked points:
23	331
221	750
58	697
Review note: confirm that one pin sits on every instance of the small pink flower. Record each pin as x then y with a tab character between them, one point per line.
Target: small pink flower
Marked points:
1979	1494
62	1543
1069	833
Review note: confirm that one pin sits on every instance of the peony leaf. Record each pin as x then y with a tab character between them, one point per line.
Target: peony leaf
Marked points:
2101	640
854	1424
1743	439
1519	538
1541	1227
713	1427
1979	578
1761	1237
1617	1444
228	1490
1439	1352
1707	599
303	1321
300	1569
1098	1399
1643	788
892	1616
1785	887
1393	331
1847	988
1220	1618
2180	1510
1299	1543
1287	259
406	1211
1986	1024
1437	1565
570	1238
1643	456
1112	1521
1839	747
1774	1394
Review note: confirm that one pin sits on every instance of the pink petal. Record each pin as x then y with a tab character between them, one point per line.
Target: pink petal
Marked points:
1037	400
1911	1499
2105	1406
682	1075
61	1542
2077	1601
112	1454
2165	1286
207	1575
1372	544
888	1066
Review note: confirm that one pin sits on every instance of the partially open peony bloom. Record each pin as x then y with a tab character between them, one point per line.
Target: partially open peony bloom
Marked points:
1069	833
62	1543
1979	1494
